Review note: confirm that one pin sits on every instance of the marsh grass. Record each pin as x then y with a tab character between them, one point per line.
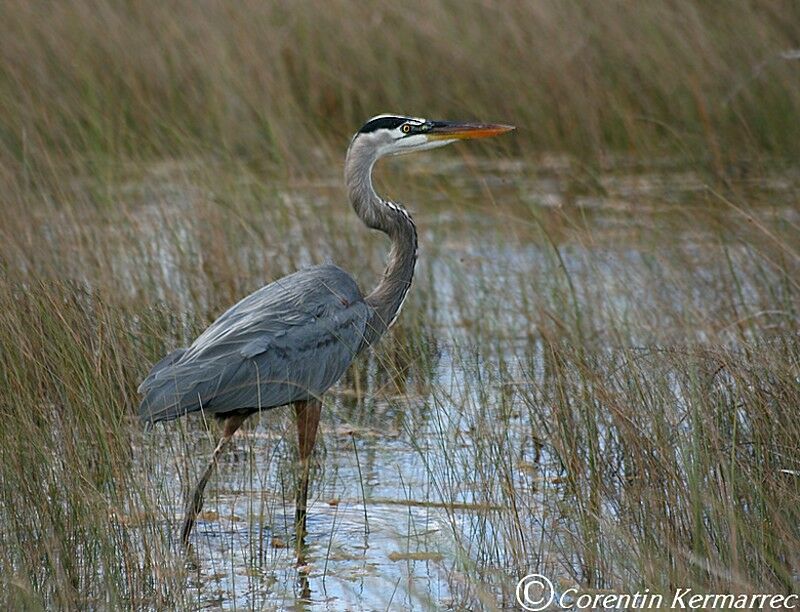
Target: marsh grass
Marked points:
90	83
597	371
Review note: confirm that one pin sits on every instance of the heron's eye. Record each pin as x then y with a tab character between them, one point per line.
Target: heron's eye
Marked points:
406	128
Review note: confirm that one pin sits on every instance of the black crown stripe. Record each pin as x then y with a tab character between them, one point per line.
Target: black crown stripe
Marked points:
385	123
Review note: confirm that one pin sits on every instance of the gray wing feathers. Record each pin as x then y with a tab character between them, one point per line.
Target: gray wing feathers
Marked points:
159	368
254	347
288	341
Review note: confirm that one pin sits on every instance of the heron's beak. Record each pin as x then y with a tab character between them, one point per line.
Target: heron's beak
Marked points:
454	130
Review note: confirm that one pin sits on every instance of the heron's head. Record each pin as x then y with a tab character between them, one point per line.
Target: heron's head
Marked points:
396	134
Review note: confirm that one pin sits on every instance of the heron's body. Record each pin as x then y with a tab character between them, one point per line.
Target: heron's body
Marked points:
290	341
287	342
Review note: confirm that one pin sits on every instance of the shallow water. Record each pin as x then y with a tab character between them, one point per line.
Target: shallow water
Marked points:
397	502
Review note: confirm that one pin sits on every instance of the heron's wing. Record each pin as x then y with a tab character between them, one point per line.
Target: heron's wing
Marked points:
160	366
290	340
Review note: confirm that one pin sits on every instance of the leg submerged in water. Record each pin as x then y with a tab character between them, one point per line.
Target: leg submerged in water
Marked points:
307	415
195	501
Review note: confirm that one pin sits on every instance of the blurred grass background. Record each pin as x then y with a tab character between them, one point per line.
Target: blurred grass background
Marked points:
715	82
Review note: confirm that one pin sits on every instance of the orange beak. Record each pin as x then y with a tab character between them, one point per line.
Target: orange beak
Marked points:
453	130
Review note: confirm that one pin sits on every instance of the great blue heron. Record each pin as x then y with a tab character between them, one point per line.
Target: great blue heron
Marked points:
288	342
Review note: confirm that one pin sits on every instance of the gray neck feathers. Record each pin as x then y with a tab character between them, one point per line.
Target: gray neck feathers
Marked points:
386	299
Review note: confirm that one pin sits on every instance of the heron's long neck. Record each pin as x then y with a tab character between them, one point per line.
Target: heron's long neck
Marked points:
386	299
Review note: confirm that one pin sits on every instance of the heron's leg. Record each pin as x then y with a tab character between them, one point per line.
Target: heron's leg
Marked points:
195	502
307	414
